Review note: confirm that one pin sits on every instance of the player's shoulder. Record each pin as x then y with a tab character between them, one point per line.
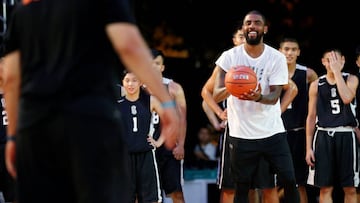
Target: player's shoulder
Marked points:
311	74
321	79
154	102
314	84
310	70
301	67
175	89
346	74
350	75
171	83
234	51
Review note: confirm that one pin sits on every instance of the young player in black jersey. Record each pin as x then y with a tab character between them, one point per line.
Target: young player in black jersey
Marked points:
294	114
171	161
331	144
136	107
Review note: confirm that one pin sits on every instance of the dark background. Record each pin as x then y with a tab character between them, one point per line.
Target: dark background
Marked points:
192	34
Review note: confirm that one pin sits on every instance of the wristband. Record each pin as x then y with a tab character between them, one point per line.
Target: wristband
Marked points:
168	104
11	138
260	98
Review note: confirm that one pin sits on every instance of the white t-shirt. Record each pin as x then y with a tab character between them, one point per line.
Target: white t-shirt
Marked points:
250	119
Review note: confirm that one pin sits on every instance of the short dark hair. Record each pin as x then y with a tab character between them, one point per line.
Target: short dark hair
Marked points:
125	71
357	51
256	12
288	39
155	53
327	50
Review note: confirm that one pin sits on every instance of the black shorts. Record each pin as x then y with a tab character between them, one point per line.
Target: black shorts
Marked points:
264	177
145	184
73	158
170	170
336	159
246	156
224	178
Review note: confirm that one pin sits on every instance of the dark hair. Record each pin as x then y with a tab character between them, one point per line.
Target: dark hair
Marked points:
155	53
237	27
357	51
332	49
288	39
256	12
125	71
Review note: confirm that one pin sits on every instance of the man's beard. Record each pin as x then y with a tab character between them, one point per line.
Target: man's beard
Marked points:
254	41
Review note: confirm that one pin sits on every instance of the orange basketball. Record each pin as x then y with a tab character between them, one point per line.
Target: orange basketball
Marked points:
240	79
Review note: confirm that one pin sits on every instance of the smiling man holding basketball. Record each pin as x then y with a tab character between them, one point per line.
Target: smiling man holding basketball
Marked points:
254	118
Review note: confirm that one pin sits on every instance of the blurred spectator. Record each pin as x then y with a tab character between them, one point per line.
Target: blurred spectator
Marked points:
205	150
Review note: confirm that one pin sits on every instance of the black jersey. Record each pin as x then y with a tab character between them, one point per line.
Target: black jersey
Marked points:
4	121
331	110
136	116
295	115
156	124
